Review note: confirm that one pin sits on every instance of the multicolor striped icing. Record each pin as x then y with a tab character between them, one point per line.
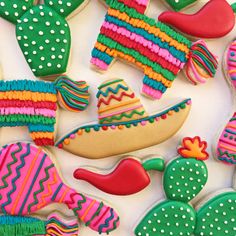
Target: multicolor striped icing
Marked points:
226	147
231	62
152	46
34	104
118	103
58	225
29	181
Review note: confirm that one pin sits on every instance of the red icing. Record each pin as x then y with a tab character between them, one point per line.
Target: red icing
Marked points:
134	4
129	177
214	20
123	40
44	142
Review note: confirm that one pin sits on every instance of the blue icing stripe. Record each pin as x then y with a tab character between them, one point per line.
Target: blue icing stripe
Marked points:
233	78
41	128
230	131
151	37
154	84
102	56
27	85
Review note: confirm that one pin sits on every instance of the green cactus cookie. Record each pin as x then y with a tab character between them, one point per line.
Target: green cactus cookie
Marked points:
12	10
44	38
178	5
42	32
183	179
217	217
64	7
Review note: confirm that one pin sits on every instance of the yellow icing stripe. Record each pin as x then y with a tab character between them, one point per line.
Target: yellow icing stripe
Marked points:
120	104
150	29
37	135
231	126
232	71
148	70
28	95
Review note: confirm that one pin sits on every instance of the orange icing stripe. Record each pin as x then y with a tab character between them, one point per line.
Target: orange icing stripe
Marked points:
152	30
36	135
28	95
64	194
227	147
88	209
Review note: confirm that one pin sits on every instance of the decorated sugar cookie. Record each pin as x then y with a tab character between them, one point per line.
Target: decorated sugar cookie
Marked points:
178	5
128	177
226	143
183	179
55	224
153	47
34	104
30	181
216	19
42	32
122	118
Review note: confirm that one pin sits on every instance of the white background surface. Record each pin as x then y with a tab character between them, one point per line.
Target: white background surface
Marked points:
212	105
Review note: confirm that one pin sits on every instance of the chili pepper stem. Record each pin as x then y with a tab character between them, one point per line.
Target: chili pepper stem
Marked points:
157	164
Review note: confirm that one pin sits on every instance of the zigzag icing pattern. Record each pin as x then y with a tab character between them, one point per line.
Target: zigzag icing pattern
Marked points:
29	181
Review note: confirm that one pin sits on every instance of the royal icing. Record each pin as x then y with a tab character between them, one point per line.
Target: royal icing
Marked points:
217	216
178	5
214	20
183	179
43	33
122	117
12	10
34	104
130	176
152	46
230	62
29	181
64	7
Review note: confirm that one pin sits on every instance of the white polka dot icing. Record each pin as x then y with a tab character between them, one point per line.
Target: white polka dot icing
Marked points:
217	216
170	218
12	10
44	40
184	178
64	7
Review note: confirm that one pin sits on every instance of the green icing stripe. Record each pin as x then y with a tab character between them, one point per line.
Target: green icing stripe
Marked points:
163	27
25	119
138	57
109	83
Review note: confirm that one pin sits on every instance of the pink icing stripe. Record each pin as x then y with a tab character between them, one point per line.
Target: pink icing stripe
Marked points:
100	64
151	92
142	2
119	112
196	75
27	111
146	43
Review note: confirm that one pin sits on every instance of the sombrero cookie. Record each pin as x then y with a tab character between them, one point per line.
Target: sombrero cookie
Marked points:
123	118
226	145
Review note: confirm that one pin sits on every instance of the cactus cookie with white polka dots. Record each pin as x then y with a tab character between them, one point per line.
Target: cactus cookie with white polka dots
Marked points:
42	32
217	217
183	179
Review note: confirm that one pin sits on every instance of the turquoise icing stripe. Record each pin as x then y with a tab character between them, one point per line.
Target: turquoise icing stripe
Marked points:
27	85
176	53
154	84
12	220
233	78
97	127
41	128
139	57
102	56
230	131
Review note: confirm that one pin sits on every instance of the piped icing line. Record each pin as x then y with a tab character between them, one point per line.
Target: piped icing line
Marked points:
33	183
230	62
120	112
122	125
34	104
155	48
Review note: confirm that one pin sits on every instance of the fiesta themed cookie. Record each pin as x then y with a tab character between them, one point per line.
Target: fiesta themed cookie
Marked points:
55	224
42	32
153	47
123	118
216	19
226	143
34	104
128	177
30	181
